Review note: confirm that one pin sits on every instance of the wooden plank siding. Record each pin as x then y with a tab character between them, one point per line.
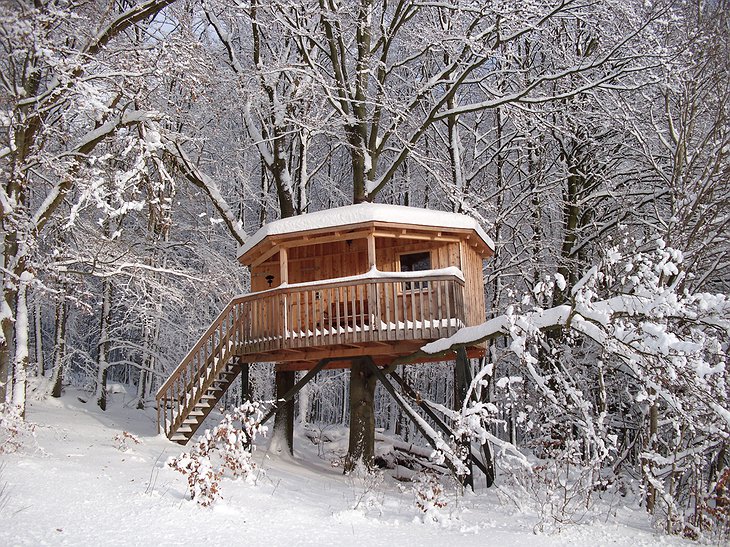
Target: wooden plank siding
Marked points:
471	265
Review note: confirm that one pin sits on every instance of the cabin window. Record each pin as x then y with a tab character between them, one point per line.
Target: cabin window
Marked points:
415	262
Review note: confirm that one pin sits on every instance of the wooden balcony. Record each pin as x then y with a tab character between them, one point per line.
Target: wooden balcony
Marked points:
311	321
379	314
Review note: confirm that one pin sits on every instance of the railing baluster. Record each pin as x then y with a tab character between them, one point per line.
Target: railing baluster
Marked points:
431	316
338	323
241	335
270	320
318	314
369	296
388	295
304	317
450	324
412	298
331	330
421	315
283	319
361	321
404	304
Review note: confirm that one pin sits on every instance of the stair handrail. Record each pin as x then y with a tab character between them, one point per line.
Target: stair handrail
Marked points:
203	338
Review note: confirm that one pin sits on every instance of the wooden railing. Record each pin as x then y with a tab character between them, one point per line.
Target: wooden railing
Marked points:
385	308
200	368
373	308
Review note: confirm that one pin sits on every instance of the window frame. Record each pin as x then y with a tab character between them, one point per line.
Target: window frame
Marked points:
422	285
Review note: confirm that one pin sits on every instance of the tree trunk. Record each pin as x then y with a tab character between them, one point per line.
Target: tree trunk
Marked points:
6	345
6	363
304	401
246	394
362	416
282	436
651	445
20	369
461	385
103	357
454	145
142	385
38	331
59	347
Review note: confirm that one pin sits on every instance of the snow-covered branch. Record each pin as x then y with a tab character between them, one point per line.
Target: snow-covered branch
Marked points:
191	171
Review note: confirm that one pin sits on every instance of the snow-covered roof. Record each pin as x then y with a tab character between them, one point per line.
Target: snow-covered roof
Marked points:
365	212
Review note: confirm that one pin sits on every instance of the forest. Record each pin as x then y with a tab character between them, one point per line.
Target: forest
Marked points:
143	141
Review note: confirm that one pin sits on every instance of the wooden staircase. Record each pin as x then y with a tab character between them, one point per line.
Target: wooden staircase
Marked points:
201	379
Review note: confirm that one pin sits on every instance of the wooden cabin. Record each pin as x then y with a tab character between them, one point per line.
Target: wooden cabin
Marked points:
367	279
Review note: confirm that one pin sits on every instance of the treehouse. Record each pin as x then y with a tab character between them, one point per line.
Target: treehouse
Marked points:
328	287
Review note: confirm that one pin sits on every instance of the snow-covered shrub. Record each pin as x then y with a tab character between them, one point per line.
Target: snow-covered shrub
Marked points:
365	482
562	489
714	511
203	479
15	432
227	447
430	497
124	440
626	377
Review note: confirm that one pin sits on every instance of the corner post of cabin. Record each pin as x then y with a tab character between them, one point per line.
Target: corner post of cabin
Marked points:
284	305
372	263
371	250
284	265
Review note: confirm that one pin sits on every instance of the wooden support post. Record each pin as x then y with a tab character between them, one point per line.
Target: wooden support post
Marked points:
283	265
371	251
486	449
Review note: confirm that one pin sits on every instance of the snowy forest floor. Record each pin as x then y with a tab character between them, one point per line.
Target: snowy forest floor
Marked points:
72	485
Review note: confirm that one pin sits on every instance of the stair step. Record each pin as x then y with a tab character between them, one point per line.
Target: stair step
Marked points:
196	412
182	439
224	379
184	429
207	397
192	420
202	405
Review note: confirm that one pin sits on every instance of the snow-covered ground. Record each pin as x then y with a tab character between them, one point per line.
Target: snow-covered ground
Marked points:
76	487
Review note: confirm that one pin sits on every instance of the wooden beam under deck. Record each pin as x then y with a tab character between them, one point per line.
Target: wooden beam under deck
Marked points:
380	360
402	347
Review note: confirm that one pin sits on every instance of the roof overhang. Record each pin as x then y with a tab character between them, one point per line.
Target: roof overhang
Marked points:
354	221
